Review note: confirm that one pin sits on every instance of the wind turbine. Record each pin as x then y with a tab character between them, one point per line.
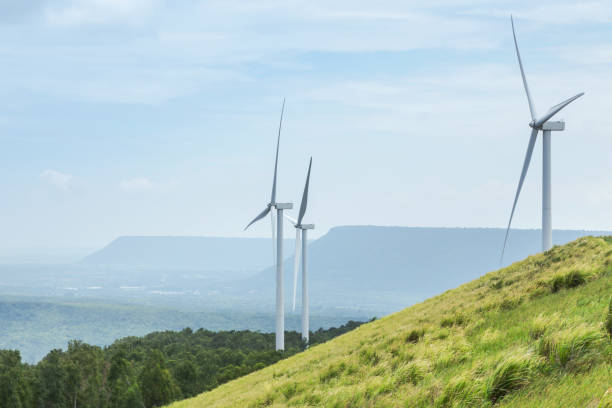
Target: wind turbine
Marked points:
544	124
301	233
278	261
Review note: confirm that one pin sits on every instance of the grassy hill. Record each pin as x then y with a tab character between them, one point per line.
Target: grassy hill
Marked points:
533	334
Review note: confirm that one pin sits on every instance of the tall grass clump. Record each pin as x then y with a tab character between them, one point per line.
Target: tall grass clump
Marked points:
368	356
411	373
542	324
539	326
608	322
454	320
511	374
572	279
461	392
289	390
571	347
333	371
606	400
414	335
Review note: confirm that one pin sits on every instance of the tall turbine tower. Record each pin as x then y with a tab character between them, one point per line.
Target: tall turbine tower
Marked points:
278	261
301	232
544	124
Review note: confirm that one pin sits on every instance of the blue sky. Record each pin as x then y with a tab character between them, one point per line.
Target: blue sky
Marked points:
147	117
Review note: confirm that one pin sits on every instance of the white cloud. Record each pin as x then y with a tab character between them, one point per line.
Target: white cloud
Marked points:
592	54
57	179
83	12
136	184
571	12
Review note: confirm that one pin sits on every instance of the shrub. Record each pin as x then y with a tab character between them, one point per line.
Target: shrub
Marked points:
572	345
509	375
415	335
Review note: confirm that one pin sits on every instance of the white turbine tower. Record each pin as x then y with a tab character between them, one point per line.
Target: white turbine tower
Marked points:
301	233
278	255
544	124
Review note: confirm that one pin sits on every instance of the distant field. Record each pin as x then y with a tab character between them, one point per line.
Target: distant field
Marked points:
34	327
534	334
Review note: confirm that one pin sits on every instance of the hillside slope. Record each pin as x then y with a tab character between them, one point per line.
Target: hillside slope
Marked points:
531	334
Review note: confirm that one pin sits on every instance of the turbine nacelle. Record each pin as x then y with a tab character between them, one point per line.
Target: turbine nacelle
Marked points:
298	226
552	125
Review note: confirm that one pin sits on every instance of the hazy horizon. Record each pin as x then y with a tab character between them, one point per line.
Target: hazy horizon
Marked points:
71	254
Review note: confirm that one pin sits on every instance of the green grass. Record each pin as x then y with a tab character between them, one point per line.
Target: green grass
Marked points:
536	333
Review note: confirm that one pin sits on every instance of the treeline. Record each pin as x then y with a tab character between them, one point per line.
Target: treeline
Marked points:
143	372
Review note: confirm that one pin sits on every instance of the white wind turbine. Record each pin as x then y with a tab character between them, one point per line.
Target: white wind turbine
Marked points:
278	255
301	233
544	124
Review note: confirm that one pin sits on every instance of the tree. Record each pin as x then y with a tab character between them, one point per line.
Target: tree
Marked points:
14	388
84	368
52	381
124	389
187	378
156	384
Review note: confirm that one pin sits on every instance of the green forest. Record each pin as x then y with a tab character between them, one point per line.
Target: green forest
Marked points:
144	371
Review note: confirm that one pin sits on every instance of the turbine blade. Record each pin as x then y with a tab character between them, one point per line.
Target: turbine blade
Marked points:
280	125
296	262
305	196
518	55
532	140
273	225
555	109
259	217
291	219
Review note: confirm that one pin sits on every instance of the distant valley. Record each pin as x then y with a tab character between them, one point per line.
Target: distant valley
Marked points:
140	284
